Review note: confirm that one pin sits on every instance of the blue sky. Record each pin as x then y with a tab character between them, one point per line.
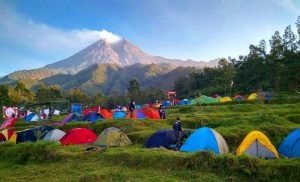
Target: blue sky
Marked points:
34	33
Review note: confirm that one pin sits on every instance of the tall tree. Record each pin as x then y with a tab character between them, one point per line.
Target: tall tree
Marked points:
134	90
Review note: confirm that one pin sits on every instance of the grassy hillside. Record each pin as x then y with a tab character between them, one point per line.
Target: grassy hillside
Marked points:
52	162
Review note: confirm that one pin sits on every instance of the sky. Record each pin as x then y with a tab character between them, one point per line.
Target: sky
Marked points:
34	33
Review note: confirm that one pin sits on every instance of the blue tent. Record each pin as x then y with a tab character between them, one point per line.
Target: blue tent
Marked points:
31	117
138	106
290	147
92	117
76	117
76	108
205	139
166	104
119	115
33	134
162	138
140	115
183	102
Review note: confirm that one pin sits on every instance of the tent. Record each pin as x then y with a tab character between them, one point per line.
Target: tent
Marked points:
161	138
151	113
31	117
205	100
33	134
8	123
239	97
8	136
76	108
137	114
138	106
92	117
226	99
183	102
205	139
54	135
112	137
106	113
252	96
71	117
166	104
290	147
119	115
215	96
258	145
78	136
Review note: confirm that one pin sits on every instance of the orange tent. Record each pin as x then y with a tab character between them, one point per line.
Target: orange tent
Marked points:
106	113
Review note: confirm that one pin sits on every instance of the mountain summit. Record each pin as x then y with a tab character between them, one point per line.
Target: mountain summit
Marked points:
120	52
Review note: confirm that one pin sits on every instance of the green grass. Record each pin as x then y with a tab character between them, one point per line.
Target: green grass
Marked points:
51	162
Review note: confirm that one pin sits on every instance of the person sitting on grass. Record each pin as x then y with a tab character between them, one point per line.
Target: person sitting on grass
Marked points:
178	132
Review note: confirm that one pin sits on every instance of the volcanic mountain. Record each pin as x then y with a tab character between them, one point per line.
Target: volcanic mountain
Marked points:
121	53
107	66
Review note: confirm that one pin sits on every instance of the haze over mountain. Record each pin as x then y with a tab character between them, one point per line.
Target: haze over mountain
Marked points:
107	66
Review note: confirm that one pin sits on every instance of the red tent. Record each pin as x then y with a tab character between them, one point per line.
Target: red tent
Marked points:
106	113
78	136
151	113
92	109
8	123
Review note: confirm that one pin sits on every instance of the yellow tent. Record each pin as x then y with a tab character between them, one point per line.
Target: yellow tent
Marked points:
257	144
252	96
8	136
226	99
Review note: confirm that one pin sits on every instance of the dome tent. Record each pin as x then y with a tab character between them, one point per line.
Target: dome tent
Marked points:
205	139
137	114
119	115
226	99
252	96
78	136
92	117
257	144
54	135
112	137
290	147
151	113
162	138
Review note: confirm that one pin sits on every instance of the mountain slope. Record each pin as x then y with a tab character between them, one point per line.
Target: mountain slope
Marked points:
122	53
108	78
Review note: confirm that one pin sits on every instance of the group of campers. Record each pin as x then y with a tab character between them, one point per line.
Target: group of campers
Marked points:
132	107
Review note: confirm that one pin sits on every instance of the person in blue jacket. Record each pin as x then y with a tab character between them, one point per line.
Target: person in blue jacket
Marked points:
178	132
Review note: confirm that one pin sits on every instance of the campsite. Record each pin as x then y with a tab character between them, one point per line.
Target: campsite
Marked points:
150	90
134	159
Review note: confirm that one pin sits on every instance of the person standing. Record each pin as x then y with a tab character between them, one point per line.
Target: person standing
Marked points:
160	111
178	132
132	108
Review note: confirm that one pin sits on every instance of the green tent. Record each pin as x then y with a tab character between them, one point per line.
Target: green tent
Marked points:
112	137
205	100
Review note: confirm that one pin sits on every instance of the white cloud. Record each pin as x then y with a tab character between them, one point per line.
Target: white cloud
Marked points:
289	5
41	39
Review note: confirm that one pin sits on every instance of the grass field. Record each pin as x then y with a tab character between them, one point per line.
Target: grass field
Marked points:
43	161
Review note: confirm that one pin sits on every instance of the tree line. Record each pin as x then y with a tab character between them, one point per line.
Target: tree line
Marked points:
271	68
19	95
